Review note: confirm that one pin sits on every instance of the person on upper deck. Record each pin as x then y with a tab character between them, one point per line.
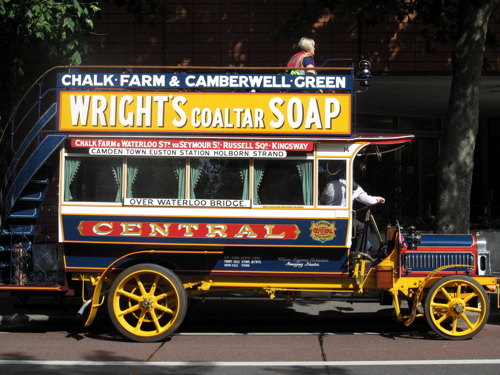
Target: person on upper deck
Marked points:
304	58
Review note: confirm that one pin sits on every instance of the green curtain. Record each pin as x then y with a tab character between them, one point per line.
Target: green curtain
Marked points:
195	172
71	167
244	170
259	166
117	168
132	172
306	175
180	172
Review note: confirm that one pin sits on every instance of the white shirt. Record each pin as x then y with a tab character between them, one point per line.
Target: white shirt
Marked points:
328	194
361	196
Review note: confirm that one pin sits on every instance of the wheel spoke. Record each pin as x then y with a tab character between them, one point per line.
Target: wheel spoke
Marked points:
444	317
161	296
165	309
454	325
129	310
128	295
459	291
140	285
445	292
441	306
469	323
155	320
153	286
474	309
470	296
140	321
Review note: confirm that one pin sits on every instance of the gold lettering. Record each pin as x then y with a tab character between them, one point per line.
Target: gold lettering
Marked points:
157	229
103	228
246	230
131	229
216	229
189	228
270	234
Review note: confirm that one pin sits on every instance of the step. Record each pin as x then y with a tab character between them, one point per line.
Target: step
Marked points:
24	210
32	193
18	227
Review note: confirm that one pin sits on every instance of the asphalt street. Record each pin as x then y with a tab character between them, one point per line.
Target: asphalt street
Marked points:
225	313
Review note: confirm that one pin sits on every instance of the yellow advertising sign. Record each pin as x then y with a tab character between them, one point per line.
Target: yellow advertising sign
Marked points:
196	112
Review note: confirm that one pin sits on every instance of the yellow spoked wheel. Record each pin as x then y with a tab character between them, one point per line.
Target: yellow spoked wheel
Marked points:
457	307
147	303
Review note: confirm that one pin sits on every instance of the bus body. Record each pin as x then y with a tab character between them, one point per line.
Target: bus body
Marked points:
140	190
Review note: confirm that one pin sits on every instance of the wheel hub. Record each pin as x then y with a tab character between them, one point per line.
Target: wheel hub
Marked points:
146	303
458	308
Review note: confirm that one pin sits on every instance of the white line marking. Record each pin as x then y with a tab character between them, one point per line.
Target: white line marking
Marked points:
281	333
255	364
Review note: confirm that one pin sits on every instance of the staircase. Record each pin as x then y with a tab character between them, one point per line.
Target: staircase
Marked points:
26	258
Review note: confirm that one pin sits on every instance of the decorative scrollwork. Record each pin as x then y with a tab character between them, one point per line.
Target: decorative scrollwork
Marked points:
46	253
33	262
52	277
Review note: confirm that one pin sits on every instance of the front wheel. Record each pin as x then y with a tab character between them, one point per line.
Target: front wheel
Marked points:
147	303
456	307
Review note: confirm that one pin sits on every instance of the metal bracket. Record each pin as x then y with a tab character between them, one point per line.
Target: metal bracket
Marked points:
271	292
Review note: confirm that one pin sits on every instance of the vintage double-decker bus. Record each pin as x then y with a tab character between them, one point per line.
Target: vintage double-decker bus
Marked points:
141	188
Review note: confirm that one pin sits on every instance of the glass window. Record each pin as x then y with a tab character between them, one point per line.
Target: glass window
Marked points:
89	179
219	179
332	184
155	178
283	182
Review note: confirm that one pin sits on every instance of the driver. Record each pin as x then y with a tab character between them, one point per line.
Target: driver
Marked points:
334	193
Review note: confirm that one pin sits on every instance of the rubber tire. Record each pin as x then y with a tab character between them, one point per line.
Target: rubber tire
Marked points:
147	273
446	328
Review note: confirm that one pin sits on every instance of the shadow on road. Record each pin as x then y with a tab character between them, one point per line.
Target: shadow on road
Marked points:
212	316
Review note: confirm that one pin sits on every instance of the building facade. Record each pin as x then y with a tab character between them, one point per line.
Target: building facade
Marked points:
408	94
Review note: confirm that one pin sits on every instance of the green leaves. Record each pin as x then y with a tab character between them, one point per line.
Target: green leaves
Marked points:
76	58
56	27
439	16
35	34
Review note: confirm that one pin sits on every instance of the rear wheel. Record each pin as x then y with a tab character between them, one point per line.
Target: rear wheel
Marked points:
456	307
147	303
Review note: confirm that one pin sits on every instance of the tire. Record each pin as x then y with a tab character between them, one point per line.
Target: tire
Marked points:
147	303
456	307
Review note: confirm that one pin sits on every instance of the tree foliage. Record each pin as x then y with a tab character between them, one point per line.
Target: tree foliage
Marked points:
31	26
439	17
462	23
36	33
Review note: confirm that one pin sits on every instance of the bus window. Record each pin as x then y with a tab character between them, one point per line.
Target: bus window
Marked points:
155	178
93	179
332	184
219	179
283	182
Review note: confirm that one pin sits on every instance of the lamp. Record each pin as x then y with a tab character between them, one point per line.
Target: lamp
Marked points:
363	74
